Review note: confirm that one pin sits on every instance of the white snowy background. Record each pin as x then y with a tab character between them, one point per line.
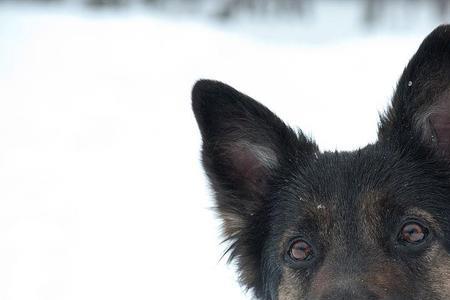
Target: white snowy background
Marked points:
102	195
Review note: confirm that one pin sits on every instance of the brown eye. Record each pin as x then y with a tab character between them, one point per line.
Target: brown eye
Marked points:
413	233
300	250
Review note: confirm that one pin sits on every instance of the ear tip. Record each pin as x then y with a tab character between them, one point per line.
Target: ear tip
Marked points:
200	89
440	34
205	86
443	28
205	90
432	54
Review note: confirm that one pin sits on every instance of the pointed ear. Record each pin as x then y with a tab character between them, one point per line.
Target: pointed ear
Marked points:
244	146
244	143
420	111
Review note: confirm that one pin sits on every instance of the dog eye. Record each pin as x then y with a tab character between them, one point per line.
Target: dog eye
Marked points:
413	233
301	250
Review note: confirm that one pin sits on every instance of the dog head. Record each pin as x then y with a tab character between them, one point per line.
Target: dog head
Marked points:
368	224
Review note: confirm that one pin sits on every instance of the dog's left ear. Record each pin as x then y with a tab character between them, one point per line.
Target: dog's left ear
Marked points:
420	111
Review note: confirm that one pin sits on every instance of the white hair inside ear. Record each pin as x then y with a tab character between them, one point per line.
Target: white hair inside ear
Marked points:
265	156
434	124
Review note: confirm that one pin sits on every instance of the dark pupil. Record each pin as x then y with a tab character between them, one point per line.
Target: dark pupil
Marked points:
301	250
413	233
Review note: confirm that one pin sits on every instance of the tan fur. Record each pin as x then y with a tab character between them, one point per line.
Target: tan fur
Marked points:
289	288
370	213
380	279
440	274
385	277
233	223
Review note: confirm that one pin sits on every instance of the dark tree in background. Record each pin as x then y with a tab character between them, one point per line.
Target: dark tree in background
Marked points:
101	3
231	7
375	9
443	6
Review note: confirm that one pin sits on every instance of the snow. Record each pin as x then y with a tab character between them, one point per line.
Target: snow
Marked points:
102	195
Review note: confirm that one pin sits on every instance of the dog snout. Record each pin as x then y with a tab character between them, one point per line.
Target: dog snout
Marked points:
350	293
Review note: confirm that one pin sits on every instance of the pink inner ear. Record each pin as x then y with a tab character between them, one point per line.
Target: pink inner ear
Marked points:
251	164
246	165
440	120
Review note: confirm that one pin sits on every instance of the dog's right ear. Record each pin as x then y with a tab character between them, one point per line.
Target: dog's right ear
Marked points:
244	144
420	111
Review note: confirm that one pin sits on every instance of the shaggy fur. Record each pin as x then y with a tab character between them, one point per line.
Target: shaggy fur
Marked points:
273	186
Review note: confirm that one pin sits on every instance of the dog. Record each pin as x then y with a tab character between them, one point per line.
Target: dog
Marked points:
304	224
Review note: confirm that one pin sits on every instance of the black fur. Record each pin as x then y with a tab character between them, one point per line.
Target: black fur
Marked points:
273	185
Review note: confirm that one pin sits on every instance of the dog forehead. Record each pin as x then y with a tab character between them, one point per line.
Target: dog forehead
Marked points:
337	190
334	178
360	187
342	178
